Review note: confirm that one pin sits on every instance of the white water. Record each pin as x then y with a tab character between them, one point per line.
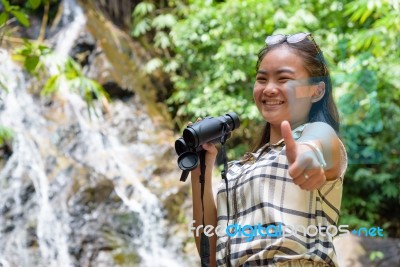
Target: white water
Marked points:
42	227
25	166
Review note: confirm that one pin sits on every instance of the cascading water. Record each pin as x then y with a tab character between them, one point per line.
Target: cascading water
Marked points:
24	218
72	193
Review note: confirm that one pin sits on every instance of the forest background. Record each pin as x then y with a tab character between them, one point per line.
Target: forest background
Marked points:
204	54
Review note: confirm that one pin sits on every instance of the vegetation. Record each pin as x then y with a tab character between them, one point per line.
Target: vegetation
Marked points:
212	47
37	58
12	11
6	135
209	50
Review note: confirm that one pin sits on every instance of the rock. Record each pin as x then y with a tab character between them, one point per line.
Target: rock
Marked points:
359	251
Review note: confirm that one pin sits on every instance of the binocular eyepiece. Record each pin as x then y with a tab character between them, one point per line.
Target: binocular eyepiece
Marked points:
209	130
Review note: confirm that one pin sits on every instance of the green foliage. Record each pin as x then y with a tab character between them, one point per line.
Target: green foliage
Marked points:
71	74
18	12
3	85
35	3
31	54
12	11
6	135
146	19
214	58
34	57
155	20
213	47
376	255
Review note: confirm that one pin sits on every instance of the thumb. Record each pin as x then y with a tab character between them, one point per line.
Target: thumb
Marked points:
291	147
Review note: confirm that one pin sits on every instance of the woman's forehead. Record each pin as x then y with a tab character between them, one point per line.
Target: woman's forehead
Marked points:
282	59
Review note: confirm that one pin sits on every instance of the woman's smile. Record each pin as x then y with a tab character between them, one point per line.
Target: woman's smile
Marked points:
272	102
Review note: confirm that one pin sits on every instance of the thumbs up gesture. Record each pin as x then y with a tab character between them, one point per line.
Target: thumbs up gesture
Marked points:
304	165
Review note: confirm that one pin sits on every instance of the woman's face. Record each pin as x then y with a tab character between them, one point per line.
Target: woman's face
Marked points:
281	91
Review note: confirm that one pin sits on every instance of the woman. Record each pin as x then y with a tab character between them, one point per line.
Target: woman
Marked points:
287	193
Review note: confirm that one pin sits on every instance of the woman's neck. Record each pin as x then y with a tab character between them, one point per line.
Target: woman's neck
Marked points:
275	134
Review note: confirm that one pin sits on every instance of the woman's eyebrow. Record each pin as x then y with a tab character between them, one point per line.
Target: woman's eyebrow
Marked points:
279	71
262	72
285	70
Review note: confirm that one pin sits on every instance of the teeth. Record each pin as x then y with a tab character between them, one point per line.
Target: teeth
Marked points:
272	102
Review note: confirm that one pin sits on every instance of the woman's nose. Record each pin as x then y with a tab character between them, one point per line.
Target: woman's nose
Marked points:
270	89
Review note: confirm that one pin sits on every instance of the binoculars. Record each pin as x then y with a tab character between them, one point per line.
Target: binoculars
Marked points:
209	130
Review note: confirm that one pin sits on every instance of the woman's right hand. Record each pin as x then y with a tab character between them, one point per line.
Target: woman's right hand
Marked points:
211	154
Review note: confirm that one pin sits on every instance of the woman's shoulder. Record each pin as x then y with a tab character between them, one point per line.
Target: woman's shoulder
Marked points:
320	127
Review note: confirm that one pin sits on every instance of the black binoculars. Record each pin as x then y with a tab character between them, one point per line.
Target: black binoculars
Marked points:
209	130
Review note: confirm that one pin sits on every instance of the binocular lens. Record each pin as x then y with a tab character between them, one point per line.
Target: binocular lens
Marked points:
188	161
180	146
190	136
213	130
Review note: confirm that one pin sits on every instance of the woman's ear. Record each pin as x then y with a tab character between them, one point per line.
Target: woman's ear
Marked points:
318	93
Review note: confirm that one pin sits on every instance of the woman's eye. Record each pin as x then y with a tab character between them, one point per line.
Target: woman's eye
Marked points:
284	79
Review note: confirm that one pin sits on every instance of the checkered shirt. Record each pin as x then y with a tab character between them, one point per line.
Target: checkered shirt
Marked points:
261	192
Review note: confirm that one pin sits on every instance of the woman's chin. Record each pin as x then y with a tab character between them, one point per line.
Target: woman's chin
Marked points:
274	121
273	118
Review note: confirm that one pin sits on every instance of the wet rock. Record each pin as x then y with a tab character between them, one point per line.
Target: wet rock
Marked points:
7	206
117	92
356	251
26	193
89	191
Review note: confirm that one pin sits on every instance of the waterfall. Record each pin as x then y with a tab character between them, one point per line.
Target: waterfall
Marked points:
72	192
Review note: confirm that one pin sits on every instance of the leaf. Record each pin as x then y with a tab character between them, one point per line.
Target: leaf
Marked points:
141	27
21	17
3	18
51	85
376	254
163	21
6	5
31	63
3	86
74	85
390	191
98	90
152	65
142	9
72	68
162	40
6	134
367	13
35	3
171	66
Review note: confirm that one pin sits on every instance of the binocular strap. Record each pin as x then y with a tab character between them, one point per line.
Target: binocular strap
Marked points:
204	241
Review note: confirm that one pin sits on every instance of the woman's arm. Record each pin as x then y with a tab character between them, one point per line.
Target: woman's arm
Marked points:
305	167
210	210
325	138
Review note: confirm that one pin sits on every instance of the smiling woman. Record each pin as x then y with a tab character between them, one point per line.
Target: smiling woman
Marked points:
278	93
300	67
293	177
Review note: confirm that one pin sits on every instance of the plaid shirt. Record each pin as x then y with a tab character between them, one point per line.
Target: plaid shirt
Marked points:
261	192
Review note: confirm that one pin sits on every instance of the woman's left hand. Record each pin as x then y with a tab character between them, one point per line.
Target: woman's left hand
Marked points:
304	166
